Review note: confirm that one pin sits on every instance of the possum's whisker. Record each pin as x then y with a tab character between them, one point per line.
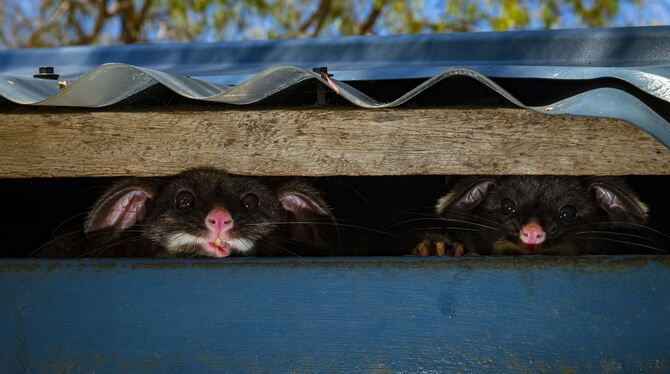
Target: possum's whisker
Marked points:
471	217
138	225
56	239
647	228
614	233
623	223
584	226
446	228
420	214
101	249
353	189
474	217
623	242
417	210
335	224
68	220
92	234
323	251
84	238
442	219
274	245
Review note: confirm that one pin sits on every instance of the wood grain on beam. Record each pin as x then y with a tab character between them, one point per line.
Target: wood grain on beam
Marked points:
345	141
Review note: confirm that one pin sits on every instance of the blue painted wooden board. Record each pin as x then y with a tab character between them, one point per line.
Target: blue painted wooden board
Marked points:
523	314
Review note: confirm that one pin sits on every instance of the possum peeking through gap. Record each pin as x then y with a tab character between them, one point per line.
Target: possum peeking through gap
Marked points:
202	213
528	215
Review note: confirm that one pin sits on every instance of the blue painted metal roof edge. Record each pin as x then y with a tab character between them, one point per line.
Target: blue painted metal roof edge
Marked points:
395	56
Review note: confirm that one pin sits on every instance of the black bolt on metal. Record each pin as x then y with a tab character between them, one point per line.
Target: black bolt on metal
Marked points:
46	72
320	88
322	69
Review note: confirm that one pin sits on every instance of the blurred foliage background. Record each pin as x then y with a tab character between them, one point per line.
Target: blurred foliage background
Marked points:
42	23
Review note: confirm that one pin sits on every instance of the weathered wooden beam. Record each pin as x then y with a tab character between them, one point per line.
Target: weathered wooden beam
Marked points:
344	141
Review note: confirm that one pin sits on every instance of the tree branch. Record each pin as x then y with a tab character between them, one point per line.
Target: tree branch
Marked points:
144	11
366	26
319	15
126	12
36	34
322	18
102	17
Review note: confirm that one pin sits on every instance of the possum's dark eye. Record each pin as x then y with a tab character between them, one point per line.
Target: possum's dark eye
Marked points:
184	200
507	207
250	202
567	213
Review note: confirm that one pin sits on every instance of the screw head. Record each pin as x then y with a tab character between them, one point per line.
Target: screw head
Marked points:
46	72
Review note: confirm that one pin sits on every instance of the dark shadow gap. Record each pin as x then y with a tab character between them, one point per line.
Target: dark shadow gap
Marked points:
36	207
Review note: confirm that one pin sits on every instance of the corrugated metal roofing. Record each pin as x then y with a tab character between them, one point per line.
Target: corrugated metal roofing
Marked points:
247	72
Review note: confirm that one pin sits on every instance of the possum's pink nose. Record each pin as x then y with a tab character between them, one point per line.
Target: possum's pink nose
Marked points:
532	234
219	220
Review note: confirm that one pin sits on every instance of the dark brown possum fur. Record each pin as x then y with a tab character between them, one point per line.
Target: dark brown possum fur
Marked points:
167	217
490	215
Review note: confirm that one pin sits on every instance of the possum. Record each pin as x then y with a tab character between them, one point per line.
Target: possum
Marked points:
203	213
531	215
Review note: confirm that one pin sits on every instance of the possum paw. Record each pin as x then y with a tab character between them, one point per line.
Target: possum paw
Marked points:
438	247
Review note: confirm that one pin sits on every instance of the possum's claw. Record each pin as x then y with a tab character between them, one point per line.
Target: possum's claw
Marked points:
438	247
458	249
422	249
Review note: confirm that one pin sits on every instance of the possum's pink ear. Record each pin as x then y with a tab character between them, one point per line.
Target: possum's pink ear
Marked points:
311	221
466	195
122	206
618	201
